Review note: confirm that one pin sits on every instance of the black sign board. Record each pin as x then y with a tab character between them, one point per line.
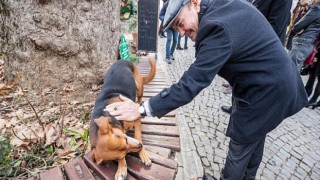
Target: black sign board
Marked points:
148	14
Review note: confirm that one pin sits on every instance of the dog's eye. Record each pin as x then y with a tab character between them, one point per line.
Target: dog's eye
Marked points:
127	140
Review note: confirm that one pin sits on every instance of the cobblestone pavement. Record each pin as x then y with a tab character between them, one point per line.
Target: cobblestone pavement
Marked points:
291	150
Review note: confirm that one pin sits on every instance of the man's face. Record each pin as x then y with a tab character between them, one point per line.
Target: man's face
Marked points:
187	22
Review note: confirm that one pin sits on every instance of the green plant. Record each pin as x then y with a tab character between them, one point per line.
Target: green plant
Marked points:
133	23
5	149
134	58
75	134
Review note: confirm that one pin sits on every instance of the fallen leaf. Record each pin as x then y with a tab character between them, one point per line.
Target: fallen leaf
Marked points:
3	123
51	134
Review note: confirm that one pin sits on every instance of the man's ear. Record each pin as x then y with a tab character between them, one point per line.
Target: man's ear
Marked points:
195	4
103	124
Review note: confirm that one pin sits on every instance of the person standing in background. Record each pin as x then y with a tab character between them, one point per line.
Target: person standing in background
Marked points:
171	36
161	32
298	12
185	43
306	31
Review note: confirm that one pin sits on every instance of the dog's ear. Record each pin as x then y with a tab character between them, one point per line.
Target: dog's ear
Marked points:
103	124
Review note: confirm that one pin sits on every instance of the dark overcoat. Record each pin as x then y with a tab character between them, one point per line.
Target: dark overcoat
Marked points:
236	42
277	13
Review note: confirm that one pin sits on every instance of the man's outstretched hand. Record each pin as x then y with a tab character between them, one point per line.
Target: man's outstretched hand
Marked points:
127	110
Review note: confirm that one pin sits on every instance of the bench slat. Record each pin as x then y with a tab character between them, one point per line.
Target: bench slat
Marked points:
76	169
52	174
155	171
161	160
158	150
172	143
107	170
161	130
169	121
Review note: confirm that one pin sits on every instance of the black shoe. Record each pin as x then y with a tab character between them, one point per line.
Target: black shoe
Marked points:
316	105
226	85
162	36
179	47
172	58
185	47
207	176
226	109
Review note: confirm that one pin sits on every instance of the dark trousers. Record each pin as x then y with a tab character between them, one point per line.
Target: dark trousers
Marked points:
243	160
314	73
161	29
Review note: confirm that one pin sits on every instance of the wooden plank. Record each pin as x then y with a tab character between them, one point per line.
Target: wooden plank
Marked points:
149	94
154	91
52	174
151	89
163	161
107	170
158	150
161	130
155	171
76	169
171	114
160	160
156	86
158	83
172	143
169	121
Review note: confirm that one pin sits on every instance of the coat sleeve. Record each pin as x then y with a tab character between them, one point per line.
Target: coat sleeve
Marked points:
307	19
214	51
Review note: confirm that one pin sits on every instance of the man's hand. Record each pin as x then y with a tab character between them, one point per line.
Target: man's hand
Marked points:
127	110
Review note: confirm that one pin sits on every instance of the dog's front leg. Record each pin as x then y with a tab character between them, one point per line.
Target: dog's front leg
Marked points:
122	170
143	154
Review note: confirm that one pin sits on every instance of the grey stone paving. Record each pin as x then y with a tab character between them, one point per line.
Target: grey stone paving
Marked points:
291	150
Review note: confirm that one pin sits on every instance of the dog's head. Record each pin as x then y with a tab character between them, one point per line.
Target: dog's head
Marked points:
113	143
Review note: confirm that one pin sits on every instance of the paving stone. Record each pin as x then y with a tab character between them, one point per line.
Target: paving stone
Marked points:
205	161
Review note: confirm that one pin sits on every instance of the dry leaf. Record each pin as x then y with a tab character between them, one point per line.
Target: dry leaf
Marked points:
17	142
3	123
51	134
13	121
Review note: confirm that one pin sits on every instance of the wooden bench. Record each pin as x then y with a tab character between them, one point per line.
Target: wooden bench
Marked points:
160	138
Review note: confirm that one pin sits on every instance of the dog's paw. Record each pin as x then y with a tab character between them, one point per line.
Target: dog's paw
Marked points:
144	156
121	174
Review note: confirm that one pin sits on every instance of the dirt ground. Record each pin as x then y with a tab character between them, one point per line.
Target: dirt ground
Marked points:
42	129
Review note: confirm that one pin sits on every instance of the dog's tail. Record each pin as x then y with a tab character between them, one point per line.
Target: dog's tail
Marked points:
152	73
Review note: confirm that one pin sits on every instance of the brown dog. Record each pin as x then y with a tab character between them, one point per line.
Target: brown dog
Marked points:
107	135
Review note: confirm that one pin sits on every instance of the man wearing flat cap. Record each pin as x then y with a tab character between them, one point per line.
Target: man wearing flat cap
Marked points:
234	40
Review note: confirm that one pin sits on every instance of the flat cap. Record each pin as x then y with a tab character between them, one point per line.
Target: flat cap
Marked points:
173	10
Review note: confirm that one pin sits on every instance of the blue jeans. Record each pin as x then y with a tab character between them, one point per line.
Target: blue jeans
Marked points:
171	36
301	49
185	40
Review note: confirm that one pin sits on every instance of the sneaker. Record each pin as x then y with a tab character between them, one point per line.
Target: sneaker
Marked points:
168	60
172	58
179	47
185	47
